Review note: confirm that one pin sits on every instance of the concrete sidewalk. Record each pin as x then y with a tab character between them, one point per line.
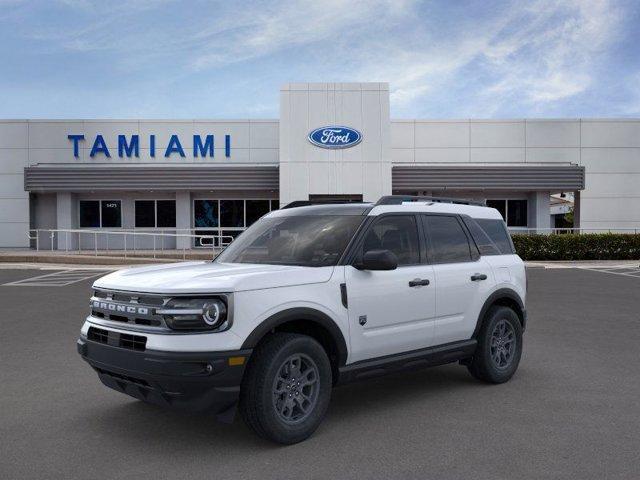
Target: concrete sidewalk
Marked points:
88	257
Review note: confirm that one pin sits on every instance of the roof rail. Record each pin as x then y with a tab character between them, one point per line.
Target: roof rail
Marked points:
308	203
400	199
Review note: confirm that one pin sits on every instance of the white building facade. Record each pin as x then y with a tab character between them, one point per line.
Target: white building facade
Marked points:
208	176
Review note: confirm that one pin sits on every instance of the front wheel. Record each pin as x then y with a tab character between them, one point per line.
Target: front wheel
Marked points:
499	349
286	390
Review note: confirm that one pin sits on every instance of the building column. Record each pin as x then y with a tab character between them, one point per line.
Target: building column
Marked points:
66	218
183	219
576	209
539	211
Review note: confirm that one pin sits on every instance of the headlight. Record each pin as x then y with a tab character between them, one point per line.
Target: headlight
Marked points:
196	314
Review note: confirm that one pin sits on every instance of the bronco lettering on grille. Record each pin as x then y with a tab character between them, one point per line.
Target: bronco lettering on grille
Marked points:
115	307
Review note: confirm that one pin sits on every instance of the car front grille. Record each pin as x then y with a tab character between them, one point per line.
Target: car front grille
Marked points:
135	310
117	339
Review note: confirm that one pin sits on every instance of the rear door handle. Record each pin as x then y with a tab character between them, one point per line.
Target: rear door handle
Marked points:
418	282
478	276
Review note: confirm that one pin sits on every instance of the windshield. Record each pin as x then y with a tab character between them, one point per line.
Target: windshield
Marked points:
310	241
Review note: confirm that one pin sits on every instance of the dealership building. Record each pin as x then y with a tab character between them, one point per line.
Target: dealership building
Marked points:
333	141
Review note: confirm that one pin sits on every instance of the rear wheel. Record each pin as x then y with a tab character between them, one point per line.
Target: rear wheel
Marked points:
287	387
499	349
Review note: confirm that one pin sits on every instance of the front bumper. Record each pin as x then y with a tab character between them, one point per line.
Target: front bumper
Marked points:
195	381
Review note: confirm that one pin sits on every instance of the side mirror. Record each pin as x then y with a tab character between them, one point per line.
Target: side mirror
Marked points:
378	260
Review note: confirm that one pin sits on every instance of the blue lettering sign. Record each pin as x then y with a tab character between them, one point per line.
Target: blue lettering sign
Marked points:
75	139
130	146
174	147
198	147
99	146
152	146
128	149
335	136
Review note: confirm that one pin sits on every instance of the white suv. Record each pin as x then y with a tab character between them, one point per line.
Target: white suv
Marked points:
310	297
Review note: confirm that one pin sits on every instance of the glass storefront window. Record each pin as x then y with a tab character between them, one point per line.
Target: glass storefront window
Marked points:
111	211
255	210
166	213
100	213
145	213
232	213
155	213
514	212
89	214
205	213
517	213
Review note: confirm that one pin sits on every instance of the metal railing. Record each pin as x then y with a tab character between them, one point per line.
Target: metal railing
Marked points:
560	231
127	241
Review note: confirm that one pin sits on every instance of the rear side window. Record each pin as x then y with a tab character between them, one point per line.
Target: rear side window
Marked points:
497	232
448	242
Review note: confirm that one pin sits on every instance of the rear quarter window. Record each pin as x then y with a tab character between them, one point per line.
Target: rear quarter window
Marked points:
497	233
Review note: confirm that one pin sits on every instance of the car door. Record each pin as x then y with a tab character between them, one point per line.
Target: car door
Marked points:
391	311
463	278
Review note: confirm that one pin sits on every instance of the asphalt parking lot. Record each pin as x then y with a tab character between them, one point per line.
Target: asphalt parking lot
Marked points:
571	411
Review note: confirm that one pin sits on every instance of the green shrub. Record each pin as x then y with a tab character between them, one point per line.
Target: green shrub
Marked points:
586	246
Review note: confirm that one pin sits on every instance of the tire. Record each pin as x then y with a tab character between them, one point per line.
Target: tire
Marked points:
275	404
495	359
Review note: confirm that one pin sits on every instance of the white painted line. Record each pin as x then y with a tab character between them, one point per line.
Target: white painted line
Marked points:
60	278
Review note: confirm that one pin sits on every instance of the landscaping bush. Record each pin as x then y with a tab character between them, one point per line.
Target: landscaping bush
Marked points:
586	246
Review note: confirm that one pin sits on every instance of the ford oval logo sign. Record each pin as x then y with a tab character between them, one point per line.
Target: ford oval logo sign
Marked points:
335	136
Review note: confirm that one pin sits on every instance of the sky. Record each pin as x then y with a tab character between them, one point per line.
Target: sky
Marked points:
228	59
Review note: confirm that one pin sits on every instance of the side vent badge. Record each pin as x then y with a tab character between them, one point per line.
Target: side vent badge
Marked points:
362	320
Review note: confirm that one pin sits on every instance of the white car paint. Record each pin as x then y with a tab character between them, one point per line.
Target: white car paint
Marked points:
399	318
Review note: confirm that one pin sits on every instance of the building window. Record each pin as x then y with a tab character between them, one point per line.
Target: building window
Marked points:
90	214
231	217
100	213
232	213
517	213
255	210
205	213
155	213
514	212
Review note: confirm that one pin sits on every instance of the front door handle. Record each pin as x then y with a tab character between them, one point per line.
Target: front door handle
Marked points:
478	276
418	282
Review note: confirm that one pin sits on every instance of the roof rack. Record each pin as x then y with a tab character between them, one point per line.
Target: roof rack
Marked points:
308	203
400	199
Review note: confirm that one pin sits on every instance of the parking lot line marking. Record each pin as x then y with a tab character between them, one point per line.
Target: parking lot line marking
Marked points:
60	278
623	271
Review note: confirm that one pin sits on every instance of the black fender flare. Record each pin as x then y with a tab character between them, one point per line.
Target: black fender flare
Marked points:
297	314
495	297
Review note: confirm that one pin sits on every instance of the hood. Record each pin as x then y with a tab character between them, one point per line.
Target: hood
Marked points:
207	277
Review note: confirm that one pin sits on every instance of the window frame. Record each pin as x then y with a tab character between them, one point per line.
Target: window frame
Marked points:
474	253
155	212
353	252
100	200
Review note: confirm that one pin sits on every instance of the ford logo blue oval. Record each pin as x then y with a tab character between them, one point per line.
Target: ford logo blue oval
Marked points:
335	136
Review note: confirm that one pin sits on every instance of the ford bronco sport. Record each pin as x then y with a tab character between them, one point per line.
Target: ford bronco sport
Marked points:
310	297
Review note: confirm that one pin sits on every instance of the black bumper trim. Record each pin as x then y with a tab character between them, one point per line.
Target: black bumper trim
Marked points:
195	381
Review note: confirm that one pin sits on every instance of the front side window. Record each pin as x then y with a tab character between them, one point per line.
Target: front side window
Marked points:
100	213
305	240
398	234
448	241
